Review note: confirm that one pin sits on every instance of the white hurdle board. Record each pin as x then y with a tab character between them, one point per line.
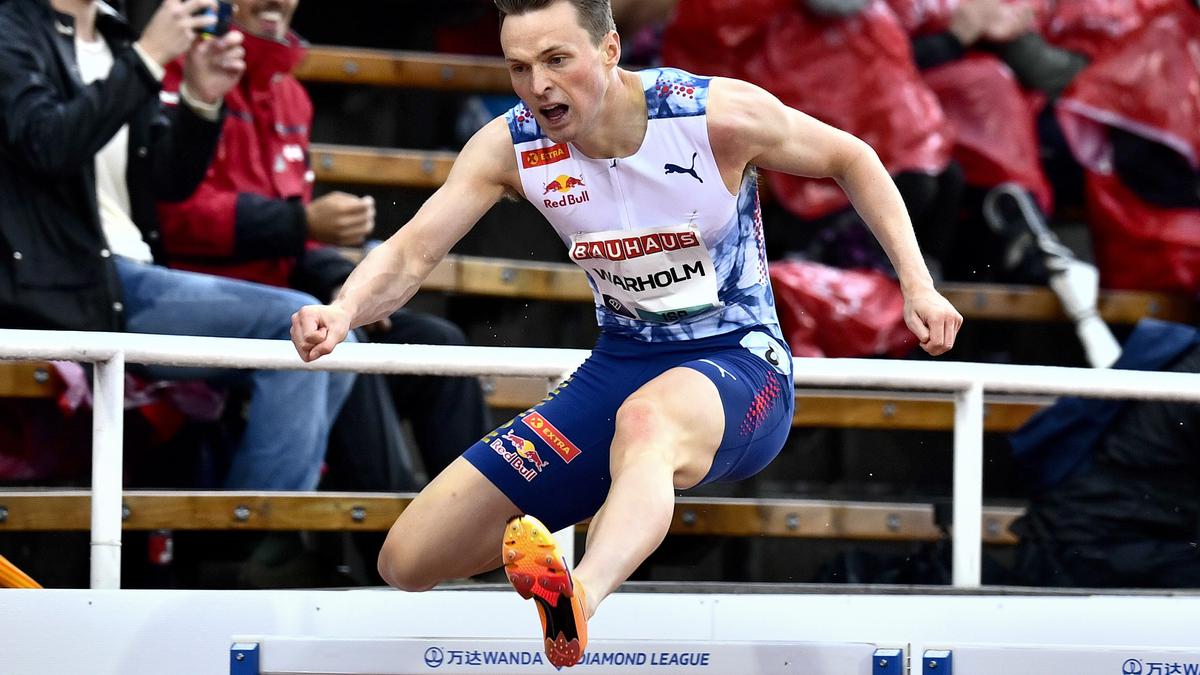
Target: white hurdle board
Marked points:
308	656
136	632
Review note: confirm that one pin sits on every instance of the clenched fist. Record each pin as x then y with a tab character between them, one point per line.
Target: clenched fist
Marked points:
317	329
932	319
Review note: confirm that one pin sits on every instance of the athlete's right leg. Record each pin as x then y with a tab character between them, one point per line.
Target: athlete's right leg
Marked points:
450	531
550	462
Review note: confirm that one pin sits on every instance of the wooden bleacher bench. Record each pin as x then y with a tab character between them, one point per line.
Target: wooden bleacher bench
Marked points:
28	379
813	409
424	169
565	282
50	510
412	70
822	408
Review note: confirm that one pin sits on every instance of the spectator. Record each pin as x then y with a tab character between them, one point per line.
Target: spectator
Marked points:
967	51
1132	120
253	218
847	64
993	118
85	149
1116	483
1093	28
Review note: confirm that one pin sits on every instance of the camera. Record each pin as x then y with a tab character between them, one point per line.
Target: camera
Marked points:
224	14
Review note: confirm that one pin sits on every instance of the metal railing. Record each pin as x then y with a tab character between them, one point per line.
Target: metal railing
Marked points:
965	383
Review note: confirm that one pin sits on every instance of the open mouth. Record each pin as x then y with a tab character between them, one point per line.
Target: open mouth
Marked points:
555	114
269	21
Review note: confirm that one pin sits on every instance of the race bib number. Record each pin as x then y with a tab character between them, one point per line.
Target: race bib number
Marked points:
661	274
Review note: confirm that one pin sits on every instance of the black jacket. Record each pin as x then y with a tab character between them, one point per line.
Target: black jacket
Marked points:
1130	516
55	267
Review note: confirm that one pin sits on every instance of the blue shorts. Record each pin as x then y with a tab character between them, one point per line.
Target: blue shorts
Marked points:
552	460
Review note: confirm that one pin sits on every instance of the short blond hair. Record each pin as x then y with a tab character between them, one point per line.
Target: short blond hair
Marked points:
595	16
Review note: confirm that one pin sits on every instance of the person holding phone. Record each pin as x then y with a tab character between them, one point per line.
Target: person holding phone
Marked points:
224	19
86	149
254	218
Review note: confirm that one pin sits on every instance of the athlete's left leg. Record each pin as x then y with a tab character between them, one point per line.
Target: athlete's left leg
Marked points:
667	433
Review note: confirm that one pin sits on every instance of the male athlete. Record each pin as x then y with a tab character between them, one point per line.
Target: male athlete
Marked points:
648	177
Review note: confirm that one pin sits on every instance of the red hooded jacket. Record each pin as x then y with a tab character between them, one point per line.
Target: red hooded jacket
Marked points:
247	219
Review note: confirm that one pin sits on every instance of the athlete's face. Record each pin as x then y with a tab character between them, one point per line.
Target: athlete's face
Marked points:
268	18
556	69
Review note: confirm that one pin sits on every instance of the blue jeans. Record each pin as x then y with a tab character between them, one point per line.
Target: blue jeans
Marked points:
290	412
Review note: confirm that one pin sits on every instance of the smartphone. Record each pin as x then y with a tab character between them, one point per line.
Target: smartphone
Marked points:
224	14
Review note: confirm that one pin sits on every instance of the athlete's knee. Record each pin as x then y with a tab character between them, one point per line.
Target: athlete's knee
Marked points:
402	570
642	417
643	430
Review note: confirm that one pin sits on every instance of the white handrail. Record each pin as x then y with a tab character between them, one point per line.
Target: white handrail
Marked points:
178	350
935	376
967	382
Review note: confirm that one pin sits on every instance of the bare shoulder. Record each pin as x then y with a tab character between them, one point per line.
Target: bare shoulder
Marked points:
743	119
488	156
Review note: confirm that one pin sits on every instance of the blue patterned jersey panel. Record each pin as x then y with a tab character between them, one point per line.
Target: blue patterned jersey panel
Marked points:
521	124
671	92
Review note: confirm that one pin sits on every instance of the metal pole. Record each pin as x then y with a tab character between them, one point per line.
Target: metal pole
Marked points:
107	437
565	536
968	486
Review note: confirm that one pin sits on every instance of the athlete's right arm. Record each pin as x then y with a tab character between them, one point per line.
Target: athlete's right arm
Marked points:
393	272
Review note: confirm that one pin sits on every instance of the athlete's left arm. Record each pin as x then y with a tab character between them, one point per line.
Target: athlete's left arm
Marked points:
748	125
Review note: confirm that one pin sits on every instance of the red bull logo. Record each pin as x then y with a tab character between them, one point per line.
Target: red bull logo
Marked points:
515	461
565	186
526	450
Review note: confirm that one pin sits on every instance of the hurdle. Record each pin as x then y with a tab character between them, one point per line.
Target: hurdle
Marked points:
286	655
744	629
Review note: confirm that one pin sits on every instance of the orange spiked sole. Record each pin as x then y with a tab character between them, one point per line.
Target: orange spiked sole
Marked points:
538	571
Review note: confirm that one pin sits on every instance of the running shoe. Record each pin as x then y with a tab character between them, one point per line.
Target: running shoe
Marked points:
537	570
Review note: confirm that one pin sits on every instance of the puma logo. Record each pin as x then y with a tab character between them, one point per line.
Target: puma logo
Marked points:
721	370
675	168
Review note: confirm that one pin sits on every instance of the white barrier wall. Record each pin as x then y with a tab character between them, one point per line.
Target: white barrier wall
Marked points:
132	632
256	655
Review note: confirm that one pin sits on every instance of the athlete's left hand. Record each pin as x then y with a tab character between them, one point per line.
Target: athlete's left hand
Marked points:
932	319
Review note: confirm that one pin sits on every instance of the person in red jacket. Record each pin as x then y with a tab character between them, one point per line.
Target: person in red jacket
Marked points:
254	218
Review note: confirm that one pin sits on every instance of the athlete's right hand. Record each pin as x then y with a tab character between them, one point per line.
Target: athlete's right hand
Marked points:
317	329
